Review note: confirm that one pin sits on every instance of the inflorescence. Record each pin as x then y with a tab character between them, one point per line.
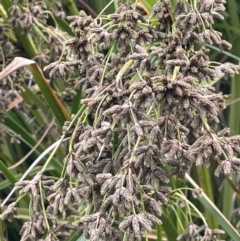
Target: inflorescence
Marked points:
150	113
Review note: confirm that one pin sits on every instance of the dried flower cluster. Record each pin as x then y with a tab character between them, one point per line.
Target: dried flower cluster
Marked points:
152	115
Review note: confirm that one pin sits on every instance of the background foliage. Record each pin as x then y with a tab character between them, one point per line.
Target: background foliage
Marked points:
34	118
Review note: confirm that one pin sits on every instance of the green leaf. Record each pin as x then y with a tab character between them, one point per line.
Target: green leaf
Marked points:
71	7
7	173
207	185
64	26
76	102
29	140
159	232
39	117
75	236
169	228
98	6
216	213
35	98
55	104
147	5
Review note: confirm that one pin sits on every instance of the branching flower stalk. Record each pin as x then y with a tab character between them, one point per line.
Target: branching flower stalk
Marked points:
151	113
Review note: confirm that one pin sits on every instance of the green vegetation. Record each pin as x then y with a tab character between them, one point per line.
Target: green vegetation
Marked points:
113	125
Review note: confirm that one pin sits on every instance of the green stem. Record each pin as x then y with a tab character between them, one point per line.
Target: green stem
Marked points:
3	13
75	129
7	173
43	206
71	7
207	185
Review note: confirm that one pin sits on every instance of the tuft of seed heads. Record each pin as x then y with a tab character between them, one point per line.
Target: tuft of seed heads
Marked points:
145	83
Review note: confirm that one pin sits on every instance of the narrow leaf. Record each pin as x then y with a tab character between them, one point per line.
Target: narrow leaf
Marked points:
210	206
7	173
169	227
29	140
55	104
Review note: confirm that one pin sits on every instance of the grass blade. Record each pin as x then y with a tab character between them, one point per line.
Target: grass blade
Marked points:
8	174
55	104
206	184
209	205
169	227
29	140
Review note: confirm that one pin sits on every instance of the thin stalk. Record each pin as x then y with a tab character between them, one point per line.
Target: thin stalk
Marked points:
33	148
159	232
43	206
62	139
1	230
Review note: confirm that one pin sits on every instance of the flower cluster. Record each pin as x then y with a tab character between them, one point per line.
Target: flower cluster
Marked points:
152	114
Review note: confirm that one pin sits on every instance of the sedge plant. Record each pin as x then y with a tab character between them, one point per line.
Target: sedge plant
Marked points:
148	113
